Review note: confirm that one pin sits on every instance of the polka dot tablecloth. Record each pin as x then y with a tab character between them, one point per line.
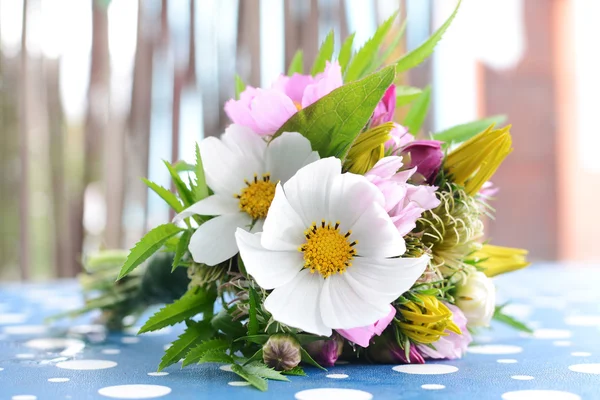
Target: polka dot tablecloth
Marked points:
79	360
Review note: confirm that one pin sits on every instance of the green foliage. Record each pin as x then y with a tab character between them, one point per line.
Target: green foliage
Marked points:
510	321
189	305
252	319
216	356
258	356
363	62
394	44
182	248
332	123
324	54
460	133
261	370
346	53
309	360
195	333
200	189
297	64
296	371
417	113
240	86
184	192
147	246
225	323
196	353
406	95
165	194
256	381
418	55
258	339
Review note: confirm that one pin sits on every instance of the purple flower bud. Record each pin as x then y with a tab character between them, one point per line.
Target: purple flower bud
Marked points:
326	352
426	155
385	350
282	352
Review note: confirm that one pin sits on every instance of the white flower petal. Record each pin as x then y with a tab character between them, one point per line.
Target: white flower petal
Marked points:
212	205
283	228
222	167
269	268
345	305
376	234
286	154
214	241
308	190
297	303
244	142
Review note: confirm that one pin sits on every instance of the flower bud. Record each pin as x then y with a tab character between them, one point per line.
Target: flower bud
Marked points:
477	299
386	350
326	352
281	352
426	155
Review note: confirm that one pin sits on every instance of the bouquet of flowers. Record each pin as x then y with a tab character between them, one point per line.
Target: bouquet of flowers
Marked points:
317	227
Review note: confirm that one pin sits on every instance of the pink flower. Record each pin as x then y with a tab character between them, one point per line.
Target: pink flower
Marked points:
384	112
400	138
362	336
403	202
266	110
326	352
452	346
385	349
426	156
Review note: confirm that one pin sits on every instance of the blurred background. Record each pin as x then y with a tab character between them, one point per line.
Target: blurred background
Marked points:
95	93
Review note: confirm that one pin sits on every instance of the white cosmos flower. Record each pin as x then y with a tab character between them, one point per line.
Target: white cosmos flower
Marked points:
242	171
325	250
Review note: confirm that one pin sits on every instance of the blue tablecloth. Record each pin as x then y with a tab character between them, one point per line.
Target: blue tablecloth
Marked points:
561	360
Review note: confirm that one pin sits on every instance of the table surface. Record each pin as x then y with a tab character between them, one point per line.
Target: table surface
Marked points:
561	360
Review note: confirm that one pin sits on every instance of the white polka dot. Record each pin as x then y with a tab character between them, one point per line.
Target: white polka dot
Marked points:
128	320
562	343
539	395
506	361
333	394
58	380
68	347
225	368
24	397
583	320
25	356
238	383
551	334
337	376
135	391
87	329
586	368
425	369
495	349
111	351
130	340
432	386
10	319
1	369
522	377
581	354
158	373
86	364
25	330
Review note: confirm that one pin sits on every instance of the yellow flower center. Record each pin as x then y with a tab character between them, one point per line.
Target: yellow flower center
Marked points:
327	250
256	198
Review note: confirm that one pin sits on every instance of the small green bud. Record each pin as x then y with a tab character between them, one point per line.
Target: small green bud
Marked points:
282	352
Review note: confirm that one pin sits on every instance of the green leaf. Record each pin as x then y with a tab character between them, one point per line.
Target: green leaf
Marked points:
182	166
148	245
463	132
196	353
215	356
297	371
406	94
332	123
166	195
346	52
252	320
189	305
201	189
324	54
393	45
195	333
417	113
363	59
297	64
260	369
258	356
418	55
240	86
306	338
509	320
182	248
224	322
259	383
184	192
309	360
258	339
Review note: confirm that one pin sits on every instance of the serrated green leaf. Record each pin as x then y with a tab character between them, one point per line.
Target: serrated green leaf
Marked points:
240	86
148	245
252	319
417	113
225	323
259	369
189	305
297	64
309	360
346	52
182	248
195	333
165	194
258	356
324	54
332	123
185	194
201	189
215	356
418	55
393	45
258	339
182	166
196	353
406	94
460	133
259	383
363	59
296	371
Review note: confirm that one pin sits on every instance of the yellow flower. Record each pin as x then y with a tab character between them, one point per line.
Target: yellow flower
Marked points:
496	260
476	160
368	149
425	320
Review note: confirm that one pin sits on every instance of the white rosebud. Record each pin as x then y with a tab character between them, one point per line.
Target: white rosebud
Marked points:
477	299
